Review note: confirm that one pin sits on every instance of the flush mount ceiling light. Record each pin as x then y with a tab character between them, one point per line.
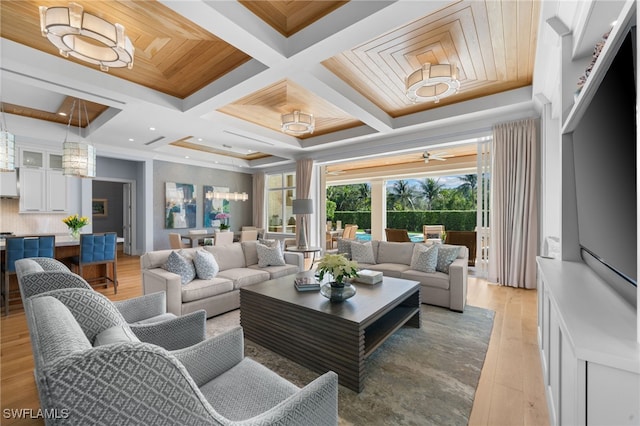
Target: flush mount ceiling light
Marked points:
86	36
78	158
432	82
298	123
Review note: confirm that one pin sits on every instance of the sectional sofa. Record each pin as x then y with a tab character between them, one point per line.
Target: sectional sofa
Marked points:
437	288
238	266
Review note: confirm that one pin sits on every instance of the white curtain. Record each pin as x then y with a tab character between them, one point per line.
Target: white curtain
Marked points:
258	200
514	205
304	171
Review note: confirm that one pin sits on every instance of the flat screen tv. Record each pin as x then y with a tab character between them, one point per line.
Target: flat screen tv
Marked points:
604	145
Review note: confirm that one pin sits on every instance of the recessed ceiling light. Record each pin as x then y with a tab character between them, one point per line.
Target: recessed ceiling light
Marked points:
199	139
613	24
131	139
152	128
64	114
249	151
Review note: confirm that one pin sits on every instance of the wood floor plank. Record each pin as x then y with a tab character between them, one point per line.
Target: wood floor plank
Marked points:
496	403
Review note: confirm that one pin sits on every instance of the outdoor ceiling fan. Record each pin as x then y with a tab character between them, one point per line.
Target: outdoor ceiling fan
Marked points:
440	156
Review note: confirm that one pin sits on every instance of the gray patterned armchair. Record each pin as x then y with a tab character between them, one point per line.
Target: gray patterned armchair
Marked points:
40	274
91	370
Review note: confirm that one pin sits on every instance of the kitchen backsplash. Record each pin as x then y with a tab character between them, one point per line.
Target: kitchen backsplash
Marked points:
30	223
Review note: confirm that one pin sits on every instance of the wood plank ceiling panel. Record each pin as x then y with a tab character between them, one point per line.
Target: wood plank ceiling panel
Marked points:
492	44
173	55
188	143
77	120
289	17
266	106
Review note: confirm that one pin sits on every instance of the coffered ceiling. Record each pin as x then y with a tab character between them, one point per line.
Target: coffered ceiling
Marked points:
211	79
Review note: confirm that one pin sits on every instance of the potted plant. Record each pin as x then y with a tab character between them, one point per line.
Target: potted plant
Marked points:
341	270
224	220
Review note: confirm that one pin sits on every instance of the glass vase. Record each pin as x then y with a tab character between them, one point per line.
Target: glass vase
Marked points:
74	234
337	292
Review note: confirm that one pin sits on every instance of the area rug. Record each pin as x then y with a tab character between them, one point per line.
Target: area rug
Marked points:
425	376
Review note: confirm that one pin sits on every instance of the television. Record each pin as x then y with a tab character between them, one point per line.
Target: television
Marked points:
604	150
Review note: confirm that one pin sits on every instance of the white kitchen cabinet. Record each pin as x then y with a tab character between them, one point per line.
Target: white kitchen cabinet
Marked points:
32	190
43	187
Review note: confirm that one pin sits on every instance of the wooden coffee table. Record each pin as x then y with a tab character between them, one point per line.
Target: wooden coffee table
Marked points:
308	329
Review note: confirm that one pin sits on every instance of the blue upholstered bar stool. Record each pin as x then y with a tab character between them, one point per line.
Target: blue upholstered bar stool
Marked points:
98	249
19	248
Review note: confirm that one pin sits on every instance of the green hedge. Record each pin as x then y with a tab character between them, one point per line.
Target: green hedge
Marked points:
412	220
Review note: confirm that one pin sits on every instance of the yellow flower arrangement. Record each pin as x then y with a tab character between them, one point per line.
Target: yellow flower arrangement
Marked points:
338	266
76	222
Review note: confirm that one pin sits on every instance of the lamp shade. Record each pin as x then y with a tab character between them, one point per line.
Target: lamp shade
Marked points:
303	206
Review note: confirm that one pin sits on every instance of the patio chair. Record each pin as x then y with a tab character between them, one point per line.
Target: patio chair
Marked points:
464	238
397	235
433	232
349	232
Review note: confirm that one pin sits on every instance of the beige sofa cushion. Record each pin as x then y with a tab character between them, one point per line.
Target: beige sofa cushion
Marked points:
244	276
388	269
228	256
250	252
277	271
394	252
430	279
200	289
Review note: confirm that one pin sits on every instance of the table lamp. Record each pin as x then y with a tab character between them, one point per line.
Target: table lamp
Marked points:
303	207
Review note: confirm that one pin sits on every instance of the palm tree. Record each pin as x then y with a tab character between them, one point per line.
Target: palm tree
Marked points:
469	186
402	194
430	189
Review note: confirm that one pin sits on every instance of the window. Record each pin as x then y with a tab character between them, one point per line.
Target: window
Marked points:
281	192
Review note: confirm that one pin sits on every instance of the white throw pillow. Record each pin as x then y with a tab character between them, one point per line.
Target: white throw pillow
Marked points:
362	252
269	256
182	266
424	258
206	266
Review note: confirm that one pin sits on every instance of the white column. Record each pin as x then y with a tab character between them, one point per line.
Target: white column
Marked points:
378	209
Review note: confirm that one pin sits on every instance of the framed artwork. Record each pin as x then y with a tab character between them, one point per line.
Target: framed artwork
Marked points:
99	207
180	205
213	205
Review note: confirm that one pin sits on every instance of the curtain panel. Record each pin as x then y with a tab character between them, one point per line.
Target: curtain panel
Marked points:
514	206
258	200
304	171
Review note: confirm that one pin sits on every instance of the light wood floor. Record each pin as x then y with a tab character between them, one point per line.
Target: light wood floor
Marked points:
510	391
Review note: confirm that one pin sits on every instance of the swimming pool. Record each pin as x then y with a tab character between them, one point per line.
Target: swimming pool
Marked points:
416	238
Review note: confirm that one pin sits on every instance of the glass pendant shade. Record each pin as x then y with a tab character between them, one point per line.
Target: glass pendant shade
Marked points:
78	159
7	151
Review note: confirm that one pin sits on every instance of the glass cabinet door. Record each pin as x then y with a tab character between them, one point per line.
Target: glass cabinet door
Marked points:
32	159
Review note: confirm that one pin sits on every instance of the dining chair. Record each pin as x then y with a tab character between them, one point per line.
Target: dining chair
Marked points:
175	241
98	249
223	238
248	235
20	248
397	235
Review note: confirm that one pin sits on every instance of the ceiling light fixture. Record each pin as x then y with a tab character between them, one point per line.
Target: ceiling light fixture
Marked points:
298	122
432	82
86	36
231	196
7	146
78	158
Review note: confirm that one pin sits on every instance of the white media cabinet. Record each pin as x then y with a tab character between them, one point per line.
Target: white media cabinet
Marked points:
588	347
